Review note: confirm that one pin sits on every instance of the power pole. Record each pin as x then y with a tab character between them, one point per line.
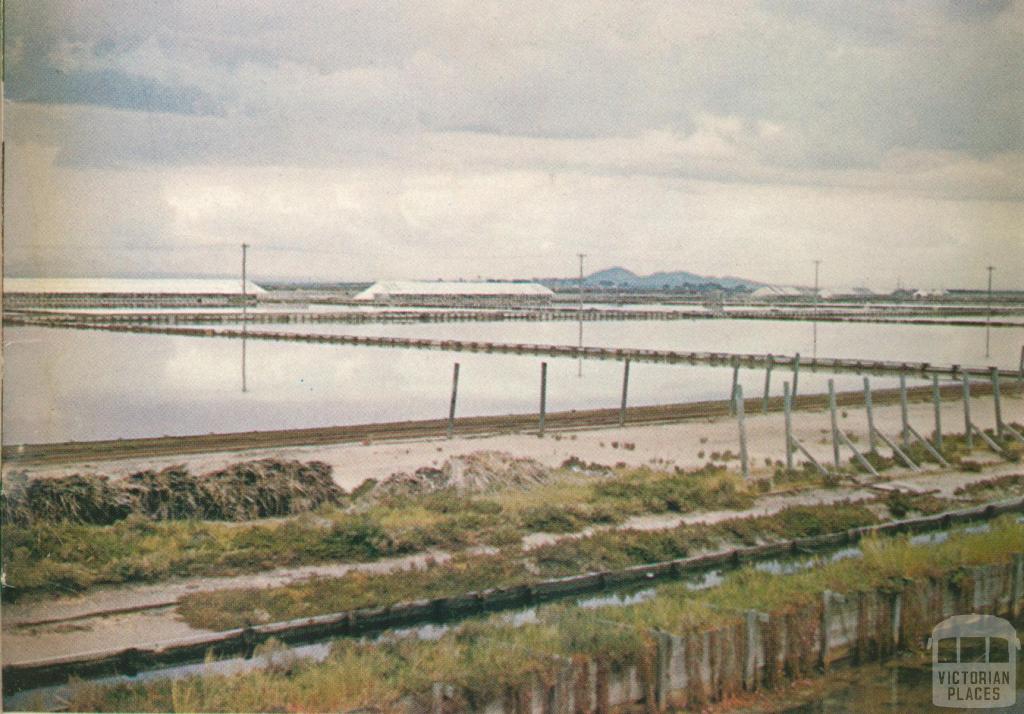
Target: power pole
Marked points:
814	350
817	264
581	257
580	314
988	316
245	296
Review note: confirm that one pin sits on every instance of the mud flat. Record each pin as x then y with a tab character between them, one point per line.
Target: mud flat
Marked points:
687	444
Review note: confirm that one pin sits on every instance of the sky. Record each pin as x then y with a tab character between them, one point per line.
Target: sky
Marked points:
357	140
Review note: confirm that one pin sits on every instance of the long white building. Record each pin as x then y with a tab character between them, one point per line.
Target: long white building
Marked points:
441	293
125	292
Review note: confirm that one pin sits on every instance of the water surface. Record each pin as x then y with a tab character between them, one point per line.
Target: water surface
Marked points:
77	385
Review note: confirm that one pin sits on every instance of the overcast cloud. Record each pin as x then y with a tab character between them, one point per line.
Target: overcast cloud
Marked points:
360	140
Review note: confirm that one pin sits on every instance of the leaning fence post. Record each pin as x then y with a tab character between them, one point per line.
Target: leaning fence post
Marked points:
871	417
995	401
796	373
543	394
451	407
903	411
767	383
787	407
968	430
937	401
625	393
835	424
745	463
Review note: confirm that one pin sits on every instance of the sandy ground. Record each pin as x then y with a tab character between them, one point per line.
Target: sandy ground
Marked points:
687	445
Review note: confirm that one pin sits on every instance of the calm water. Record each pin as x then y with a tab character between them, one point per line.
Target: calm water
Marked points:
63	385
913	343
881	688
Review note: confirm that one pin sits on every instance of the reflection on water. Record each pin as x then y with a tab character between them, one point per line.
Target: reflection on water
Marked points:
66	385
887	688
244	340
938	344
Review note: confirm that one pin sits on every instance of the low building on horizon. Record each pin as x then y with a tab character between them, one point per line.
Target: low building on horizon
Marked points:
454	293
126	292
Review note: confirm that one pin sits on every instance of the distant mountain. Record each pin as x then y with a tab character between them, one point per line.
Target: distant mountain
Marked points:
620	278
612	276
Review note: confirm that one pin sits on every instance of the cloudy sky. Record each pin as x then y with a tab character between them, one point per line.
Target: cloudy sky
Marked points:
385	139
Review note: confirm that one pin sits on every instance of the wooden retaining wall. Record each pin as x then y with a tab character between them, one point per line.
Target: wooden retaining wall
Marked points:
760	651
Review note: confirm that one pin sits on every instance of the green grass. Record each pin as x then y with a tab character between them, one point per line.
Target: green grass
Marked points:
606	550
68	557
483	658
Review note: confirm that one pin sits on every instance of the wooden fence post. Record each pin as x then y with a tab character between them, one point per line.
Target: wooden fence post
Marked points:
451	407
873	440
995	401
787	408
543	394
903	411
796	373
744	461
835	423
735	383
625	393
968	429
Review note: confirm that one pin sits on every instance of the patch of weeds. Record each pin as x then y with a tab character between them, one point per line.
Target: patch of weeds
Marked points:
984	490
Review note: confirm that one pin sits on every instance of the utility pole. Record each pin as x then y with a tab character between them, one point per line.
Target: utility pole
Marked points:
814	350
580	315
245	296
581	257
817	264
245	312
988	316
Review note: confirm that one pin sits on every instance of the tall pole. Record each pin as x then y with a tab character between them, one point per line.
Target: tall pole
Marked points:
245	297
988	316
814	326
817	265
244	387
579	372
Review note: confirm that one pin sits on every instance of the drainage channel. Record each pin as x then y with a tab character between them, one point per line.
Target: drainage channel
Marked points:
45	685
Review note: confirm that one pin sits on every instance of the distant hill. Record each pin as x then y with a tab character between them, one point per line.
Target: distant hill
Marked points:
620	278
